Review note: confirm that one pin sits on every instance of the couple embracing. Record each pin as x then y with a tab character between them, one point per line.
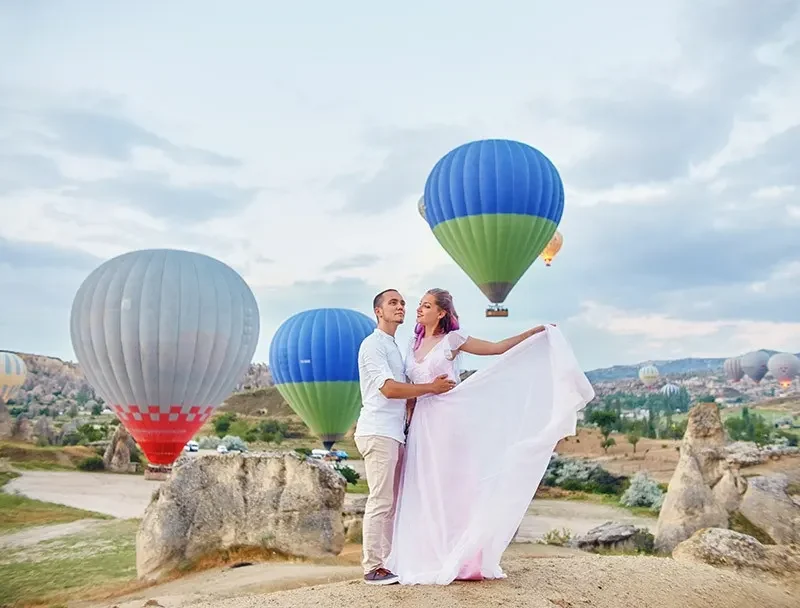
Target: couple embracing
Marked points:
453	466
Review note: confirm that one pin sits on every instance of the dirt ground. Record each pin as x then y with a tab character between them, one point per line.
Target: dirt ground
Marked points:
659	457
539	578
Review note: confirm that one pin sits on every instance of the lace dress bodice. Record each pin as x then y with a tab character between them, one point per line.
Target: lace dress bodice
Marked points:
441	359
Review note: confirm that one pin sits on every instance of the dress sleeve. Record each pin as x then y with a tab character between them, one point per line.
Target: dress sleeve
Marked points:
455	339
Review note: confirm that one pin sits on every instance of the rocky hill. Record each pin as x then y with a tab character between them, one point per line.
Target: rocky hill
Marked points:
56	387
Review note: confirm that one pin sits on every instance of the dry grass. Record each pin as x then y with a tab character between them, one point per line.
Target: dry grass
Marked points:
30	457
656	456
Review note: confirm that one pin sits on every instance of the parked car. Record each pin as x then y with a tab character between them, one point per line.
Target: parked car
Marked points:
192	446
221	449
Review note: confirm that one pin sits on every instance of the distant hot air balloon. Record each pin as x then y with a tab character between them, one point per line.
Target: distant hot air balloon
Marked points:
648	374
314	362
784	367
163	336
670	389
754	364
552	248
733	369
12	375
493	205
421	207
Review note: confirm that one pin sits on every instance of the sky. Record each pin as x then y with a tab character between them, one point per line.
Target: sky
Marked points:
292	142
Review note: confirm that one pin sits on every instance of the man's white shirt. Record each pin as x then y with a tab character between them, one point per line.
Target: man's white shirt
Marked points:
379	360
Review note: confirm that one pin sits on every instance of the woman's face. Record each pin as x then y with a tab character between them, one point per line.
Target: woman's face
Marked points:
428	313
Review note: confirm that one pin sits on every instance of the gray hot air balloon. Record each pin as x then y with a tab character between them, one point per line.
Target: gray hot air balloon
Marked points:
784	367
754	364
733	369
670	389
421	207
163	336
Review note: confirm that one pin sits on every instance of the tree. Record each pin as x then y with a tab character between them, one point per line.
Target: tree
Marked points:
633	438
605	420
607	443
97	409
222	423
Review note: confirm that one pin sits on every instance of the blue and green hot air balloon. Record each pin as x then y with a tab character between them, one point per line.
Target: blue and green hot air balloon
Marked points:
314	362
494	205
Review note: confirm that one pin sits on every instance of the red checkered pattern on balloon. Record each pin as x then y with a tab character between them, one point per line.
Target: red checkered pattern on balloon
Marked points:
154	413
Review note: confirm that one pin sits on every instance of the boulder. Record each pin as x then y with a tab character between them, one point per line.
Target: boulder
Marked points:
614	536
736	551
276	502
767	505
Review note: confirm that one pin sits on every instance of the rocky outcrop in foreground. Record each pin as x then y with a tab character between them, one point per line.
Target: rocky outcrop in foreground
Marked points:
278	502
707	491
739	552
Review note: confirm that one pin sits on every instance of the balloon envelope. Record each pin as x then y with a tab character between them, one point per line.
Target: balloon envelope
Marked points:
670	389
314	362
493	205
12	375
552	248
648	374
754	364
733	369
163	336
421	207
784	367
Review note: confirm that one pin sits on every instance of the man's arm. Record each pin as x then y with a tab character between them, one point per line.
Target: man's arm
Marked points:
375	367
392	389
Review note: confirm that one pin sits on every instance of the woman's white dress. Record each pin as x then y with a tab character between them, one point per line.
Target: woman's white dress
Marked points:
476	454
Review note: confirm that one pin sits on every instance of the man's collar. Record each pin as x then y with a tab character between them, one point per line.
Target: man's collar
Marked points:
384	335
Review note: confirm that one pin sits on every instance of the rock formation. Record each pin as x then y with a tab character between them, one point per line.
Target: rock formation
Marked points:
614	536
44	431
6	422
272	501
707	491
23	429
353	517
117	457
740	552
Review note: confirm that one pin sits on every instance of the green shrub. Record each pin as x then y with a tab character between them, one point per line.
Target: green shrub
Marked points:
92	463
349	473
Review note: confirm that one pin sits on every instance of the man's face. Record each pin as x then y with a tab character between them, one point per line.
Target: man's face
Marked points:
392	308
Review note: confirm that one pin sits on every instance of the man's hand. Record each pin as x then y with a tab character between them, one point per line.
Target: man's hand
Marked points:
441	384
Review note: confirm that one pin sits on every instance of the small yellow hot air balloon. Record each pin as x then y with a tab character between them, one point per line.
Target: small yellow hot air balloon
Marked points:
552	248
12	375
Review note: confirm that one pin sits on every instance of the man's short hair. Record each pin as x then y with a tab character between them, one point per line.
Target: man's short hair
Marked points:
378	300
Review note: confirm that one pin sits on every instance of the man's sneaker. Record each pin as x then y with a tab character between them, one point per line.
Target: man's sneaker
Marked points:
380	576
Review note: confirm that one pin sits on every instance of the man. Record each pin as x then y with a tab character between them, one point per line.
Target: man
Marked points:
380	431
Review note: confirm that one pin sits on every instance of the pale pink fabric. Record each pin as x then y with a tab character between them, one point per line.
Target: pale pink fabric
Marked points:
475	455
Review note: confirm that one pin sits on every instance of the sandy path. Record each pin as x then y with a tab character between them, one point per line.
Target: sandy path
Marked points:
128	496
573	582
578	517
123	496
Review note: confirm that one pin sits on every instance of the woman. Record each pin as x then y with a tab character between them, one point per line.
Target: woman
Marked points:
475	455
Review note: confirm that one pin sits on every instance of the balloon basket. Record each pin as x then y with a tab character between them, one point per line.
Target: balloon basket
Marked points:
157	472
496	311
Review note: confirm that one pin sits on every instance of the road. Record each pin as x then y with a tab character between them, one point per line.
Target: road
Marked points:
127	496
